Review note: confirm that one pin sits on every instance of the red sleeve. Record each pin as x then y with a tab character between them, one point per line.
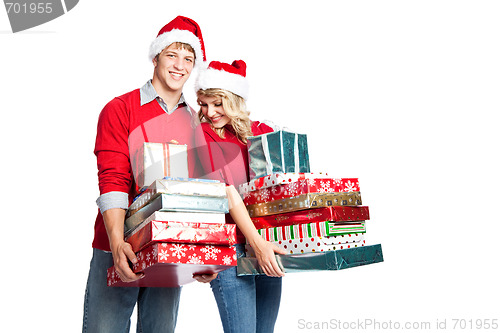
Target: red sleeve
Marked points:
211	156
111	148
202	150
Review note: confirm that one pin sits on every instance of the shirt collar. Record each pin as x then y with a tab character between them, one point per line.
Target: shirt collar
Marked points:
149	94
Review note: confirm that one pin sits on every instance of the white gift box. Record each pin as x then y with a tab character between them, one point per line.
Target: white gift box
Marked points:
159	160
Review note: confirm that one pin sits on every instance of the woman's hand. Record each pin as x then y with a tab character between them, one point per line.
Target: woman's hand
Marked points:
265	253
204	278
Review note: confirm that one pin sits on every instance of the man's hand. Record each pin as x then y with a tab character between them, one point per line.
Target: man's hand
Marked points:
122	254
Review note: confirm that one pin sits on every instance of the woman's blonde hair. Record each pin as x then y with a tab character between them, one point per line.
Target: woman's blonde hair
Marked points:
235	109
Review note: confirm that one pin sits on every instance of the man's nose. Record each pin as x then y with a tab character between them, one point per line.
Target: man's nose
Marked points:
179	63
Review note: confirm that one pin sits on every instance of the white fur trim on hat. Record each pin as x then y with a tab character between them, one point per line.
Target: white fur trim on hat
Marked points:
176	35
213	78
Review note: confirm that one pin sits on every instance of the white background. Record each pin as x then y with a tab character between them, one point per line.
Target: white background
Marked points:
401	94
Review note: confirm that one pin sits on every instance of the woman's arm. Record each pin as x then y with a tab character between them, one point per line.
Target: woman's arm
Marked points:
264	250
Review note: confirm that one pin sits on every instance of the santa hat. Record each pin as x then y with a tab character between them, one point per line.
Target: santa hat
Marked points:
181	29
225	76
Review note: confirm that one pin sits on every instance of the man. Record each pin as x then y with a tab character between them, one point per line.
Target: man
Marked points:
156	112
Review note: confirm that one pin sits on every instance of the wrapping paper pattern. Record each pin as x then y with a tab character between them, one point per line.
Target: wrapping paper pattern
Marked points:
333	213
170	264
278	151
192	217
305	201
158	160
183	186
307	230
339	184
182	232
317	261
300	186
178	203
315	244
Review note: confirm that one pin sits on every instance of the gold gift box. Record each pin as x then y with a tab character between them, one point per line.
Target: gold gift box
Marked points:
305	201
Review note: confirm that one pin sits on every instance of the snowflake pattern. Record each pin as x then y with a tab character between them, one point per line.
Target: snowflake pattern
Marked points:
337	181
194	259
163	255
178	250
265	194
325	187
350	187
226	260
311	182
210	252
292	189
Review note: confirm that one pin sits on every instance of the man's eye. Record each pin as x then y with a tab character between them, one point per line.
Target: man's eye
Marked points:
218	104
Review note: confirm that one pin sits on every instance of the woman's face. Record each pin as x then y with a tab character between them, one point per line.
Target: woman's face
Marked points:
212	109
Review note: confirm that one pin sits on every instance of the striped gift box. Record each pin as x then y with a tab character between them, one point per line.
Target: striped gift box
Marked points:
307	230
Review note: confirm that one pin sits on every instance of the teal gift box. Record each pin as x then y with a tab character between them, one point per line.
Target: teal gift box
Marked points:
277	152
317	261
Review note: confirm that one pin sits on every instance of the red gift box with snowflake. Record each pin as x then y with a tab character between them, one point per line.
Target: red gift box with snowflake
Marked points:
182	232
174	264
286	185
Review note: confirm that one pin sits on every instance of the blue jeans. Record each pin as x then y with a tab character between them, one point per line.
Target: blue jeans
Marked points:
247	304
108	309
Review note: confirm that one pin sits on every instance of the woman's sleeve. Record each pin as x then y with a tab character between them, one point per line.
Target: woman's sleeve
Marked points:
211	156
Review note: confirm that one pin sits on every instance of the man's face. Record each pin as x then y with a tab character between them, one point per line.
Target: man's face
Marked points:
173	67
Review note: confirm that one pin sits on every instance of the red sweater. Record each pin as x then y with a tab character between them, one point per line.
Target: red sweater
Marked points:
226	159
124	125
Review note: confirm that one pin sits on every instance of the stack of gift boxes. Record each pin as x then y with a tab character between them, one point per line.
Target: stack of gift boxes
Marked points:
299	211
306	212
176	226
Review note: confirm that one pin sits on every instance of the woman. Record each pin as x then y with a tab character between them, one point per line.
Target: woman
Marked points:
249	303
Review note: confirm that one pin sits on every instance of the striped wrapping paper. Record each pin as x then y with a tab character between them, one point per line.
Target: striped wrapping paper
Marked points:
307	230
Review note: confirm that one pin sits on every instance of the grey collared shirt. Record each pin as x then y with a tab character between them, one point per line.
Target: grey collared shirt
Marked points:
117	199
149	94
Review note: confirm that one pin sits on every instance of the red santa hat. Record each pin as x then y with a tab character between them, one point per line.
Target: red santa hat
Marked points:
181	29
225	76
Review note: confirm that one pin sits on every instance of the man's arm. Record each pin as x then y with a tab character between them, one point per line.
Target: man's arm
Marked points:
114	219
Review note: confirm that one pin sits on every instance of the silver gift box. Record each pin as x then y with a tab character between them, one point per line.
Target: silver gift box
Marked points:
178	203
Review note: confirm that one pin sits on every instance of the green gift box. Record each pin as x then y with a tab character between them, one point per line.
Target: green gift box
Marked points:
277	152
318	261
